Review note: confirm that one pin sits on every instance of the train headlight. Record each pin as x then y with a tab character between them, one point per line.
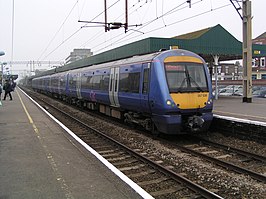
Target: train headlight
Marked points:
210	101
168	102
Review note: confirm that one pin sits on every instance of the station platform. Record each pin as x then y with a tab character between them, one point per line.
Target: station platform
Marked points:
232	108
39	159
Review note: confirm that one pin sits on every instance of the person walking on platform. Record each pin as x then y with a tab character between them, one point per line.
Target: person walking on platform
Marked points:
8	89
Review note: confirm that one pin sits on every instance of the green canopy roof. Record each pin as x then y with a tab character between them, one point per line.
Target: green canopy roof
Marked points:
216	41
206	42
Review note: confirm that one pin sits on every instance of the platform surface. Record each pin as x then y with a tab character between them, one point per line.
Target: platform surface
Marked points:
234	107
37	159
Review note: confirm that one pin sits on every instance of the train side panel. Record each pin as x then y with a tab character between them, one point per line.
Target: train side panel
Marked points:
95	85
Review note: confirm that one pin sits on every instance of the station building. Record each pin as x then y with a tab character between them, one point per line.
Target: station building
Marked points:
78	54
259	69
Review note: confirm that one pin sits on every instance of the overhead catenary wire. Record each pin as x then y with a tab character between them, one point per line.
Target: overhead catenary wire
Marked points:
100	33
62	25
145	24
117	39
64	41
74	33
121	40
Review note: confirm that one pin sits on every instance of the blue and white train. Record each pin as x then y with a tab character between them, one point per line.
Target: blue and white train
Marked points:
166	92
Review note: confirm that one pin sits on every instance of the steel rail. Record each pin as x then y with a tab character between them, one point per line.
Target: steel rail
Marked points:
232	149
224	164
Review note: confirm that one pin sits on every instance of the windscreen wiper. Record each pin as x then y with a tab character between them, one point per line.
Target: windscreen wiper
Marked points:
194	82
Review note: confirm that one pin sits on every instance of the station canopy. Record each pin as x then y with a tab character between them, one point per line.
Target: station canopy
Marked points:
207	43
217	41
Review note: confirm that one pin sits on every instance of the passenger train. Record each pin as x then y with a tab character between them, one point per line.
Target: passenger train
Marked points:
166	92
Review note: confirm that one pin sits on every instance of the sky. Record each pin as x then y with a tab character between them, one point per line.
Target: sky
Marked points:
48	30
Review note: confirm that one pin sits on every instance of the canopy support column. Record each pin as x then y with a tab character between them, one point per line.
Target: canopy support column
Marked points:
216	59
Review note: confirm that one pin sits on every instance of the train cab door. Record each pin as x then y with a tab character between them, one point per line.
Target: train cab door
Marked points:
113	87
78	86
145	87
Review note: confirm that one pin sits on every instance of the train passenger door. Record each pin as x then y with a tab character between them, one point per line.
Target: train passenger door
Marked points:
79	86
67	85
113	87
145	87
59	84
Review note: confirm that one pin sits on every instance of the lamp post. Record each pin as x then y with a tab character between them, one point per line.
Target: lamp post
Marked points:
2	67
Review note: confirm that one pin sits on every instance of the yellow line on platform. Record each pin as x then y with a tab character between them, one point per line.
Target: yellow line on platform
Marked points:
49	155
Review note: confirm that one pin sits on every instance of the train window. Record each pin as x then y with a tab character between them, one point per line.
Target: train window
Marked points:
72	81
62	82
85	82
123	82
129	82
89	83
52	82
96	80
145	86
197	77
105	82
175	76
186	77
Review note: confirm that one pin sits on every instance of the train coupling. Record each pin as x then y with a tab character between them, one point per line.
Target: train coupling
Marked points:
195	123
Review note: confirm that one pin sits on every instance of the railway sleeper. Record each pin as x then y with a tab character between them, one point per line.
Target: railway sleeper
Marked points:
165	191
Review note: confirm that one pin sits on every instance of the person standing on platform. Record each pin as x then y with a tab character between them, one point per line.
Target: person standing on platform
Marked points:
1	90
13	85
8	89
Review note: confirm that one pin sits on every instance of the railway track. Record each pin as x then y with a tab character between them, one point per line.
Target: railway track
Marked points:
237	160
159	181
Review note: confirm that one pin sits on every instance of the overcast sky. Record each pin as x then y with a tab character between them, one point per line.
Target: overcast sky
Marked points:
48	30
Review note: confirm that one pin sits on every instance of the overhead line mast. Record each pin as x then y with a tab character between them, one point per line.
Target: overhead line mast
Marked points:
247	46
112	25
115	25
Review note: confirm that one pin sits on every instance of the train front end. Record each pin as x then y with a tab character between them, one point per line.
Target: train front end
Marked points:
188	95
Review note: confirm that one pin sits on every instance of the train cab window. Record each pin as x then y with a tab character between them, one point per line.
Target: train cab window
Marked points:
186	77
